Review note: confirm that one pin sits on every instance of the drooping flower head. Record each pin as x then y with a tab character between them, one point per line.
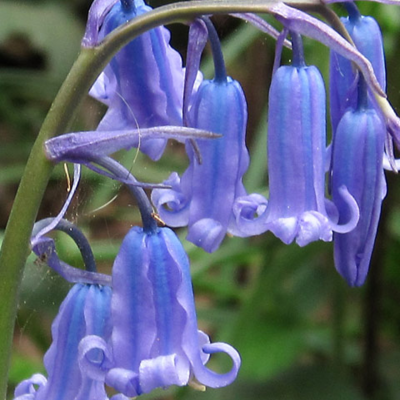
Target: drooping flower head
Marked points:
155	341
204	197
296	155
357	163
85	311
296	142
143	84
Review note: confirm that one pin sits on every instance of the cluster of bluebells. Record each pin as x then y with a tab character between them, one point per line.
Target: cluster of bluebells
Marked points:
137	329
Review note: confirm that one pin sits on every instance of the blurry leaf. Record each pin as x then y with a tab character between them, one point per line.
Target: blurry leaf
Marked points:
50	29
390	371
267	346
394	224
23	367
316	382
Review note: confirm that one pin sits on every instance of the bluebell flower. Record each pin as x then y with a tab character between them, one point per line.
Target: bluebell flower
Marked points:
297	209
203	199
85	311
357	163
296	156
155	341
367	37
143	84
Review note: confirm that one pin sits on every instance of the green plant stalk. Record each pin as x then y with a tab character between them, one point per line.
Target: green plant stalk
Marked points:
15	248
87	67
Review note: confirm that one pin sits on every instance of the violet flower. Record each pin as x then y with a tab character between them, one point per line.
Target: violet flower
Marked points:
155	341
85	311
297	209
204	197
357	163
143	84
367	37
296	156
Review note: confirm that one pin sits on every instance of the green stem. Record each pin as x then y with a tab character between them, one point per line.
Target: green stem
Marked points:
15	247
87	67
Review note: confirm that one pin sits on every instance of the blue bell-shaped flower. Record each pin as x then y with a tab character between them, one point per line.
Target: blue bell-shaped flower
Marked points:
143	84
296	143
85	311
357	163
155	341
296	156
203	199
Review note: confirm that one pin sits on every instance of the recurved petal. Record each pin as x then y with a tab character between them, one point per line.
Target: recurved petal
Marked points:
172	204
95	358
124	381
249	213
29	386
213	379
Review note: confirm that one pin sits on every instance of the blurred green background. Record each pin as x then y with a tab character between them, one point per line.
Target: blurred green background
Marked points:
302	333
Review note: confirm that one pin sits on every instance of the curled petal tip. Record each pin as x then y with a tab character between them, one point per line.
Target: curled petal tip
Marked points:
28	386
212	379
172	204
354	212
123	380
94	357
250	215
